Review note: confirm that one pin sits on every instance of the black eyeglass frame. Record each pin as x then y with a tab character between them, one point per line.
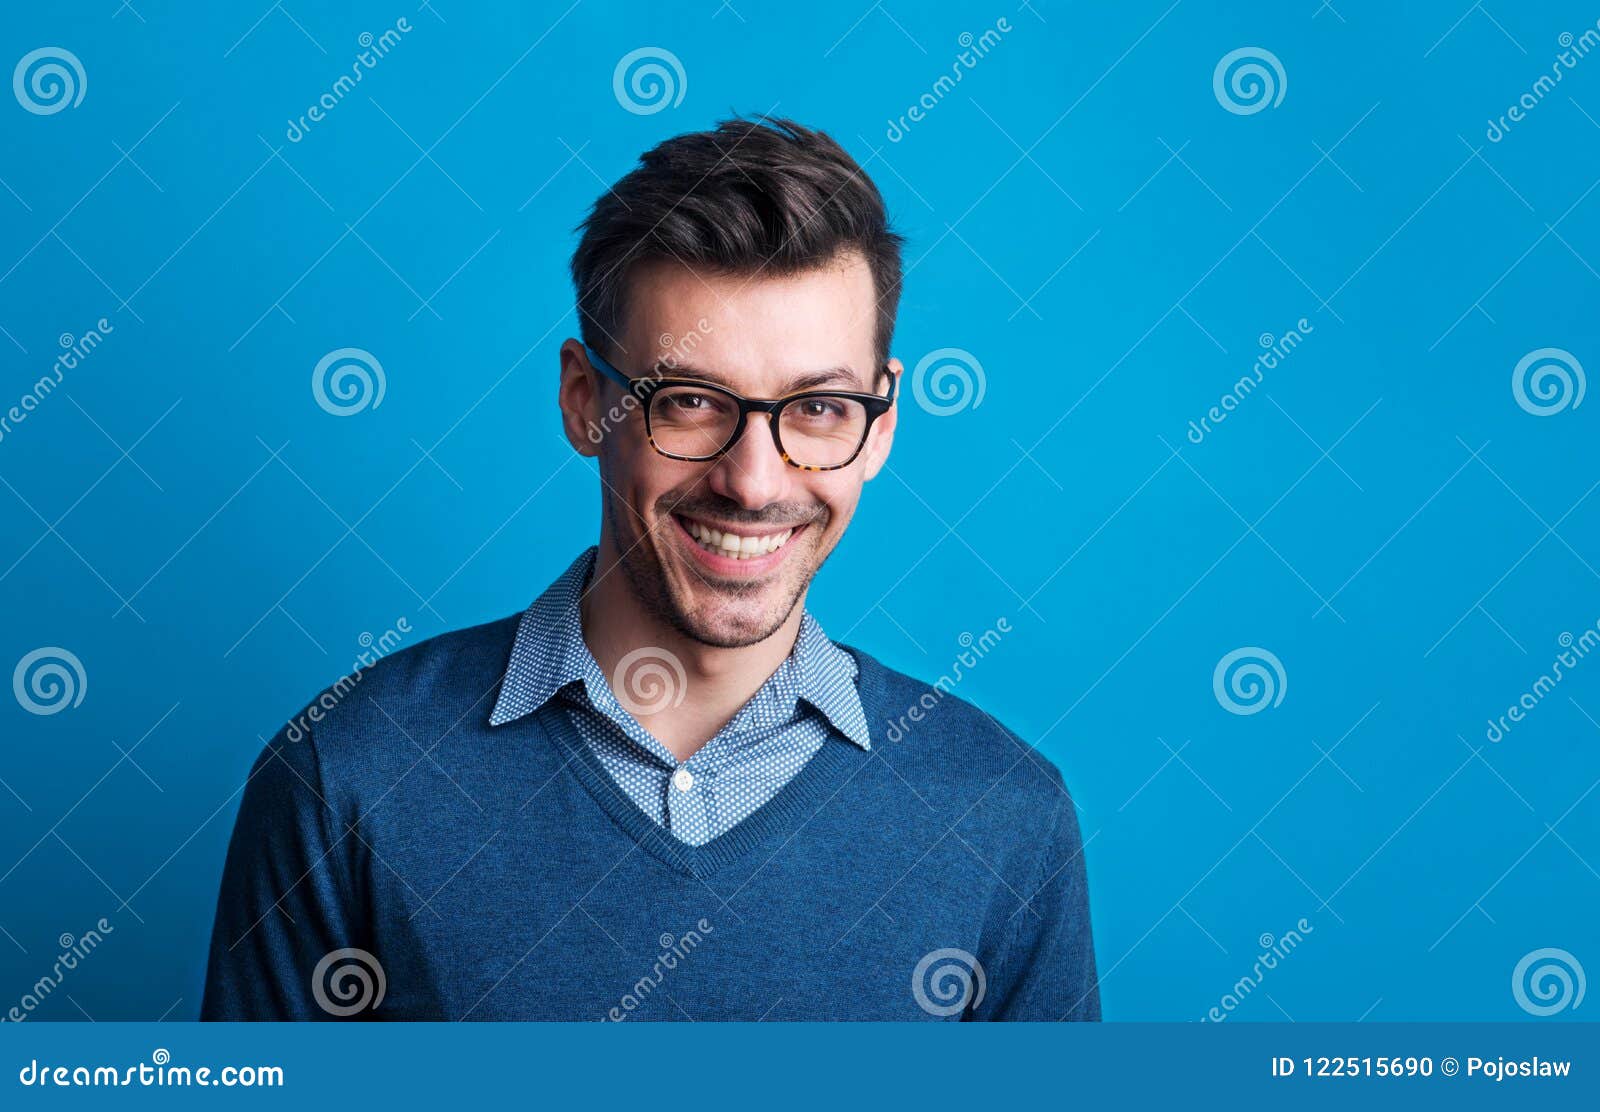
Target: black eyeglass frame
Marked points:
876	405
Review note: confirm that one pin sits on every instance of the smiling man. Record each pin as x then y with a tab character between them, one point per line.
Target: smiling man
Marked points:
662	792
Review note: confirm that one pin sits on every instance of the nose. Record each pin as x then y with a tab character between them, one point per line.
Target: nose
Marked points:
752	473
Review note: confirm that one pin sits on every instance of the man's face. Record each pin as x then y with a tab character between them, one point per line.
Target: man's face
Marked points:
761	337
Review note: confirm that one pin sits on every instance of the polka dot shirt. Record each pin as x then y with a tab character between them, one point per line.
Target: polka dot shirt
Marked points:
765	744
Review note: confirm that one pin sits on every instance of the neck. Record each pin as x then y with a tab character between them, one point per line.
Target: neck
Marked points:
718	681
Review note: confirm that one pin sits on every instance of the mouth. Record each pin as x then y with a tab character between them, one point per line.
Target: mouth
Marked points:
741	553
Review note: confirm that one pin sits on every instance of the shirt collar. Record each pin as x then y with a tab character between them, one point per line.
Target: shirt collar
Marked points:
549	653
828	681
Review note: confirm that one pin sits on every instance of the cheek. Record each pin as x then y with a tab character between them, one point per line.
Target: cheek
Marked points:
840	497
624	479
639	480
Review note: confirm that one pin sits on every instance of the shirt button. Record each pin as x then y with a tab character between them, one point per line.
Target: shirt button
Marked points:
683	779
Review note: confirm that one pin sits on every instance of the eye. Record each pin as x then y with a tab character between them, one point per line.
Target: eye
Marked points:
690	403
820	409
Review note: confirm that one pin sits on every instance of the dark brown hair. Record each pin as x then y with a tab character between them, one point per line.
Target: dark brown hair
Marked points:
763	195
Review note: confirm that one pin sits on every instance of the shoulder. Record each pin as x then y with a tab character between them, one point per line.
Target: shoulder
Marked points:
957	749
442	670
396	699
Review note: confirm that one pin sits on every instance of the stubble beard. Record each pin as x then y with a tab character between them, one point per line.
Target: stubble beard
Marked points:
642	566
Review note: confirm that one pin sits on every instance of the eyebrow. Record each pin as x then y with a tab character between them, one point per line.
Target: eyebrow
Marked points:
842	377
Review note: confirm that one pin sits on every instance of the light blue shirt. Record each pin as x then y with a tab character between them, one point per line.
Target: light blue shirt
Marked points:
811	695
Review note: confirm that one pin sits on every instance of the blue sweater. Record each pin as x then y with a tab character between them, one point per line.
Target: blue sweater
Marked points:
404	859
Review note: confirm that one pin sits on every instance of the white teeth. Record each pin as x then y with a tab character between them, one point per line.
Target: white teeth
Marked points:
732	545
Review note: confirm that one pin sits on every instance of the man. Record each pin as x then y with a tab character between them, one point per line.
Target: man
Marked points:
662	792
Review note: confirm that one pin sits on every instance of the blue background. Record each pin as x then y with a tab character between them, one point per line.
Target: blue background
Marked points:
1413	579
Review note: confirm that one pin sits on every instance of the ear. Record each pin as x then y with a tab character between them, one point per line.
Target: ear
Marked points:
881	438
579	398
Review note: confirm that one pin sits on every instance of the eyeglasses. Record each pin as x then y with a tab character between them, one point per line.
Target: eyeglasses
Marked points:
695	420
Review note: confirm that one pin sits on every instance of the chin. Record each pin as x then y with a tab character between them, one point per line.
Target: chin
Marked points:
717	623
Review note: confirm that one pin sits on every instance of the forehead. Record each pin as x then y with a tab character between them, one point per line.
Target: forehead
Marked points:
759	327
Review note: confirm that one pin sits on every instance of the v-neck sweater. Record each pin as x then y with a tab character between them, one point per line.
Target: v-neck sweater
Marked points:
402	858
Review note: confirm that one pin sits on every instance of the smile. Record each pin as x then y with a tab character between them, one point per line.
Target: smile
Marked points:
734	546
